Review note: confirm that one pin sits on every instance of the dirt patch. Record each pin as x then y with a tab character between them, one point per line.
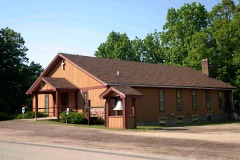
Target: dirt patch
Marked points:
197	142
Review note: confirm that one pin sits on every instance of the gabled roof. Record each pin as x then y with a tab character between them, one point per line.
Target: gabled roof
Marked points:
135	74
59	83
122	91
144	74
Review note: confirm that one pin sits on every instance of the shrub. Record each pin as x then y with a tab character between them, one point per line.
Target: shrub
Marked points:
73	118
30	114
5	116
42	114
27	115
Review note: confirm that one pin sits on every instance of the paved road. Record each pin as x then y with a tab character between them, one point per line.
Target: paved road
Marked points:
10	150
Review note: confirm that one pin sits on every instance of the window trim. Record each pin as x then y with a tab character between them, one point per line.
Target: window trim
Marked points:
180	117
220	105
84	101
160	100
163	118
180	91
196	100
208	91
46	110
193	118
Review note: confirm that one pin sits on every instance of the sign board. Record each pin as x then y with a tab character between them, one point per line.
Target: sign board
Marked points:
67	111
23	110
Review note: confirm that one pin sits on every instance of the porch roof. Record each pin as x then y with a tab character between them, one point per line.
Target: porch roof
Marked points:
122	91
59	83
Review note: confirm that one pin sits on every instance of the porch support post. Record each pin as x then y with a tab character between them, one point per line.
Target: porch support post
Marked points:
134	112
36	106
107	113
57	104
76	100
124	112
54	100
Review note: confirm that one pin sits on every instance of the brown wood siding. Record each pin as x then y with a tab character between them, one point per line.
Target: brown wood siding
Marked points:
148	106
73	75
78	78
41	104
45	87
116	122
130	122
93	95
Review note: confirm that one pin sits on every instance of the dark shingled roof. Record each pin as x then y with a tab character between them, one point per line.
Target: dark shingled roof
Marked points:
121	90
60	83
144	74
127	90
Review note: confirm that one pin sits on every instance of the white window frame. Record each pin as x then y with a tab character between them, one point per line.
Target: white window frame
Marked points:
182	119
194	117
163	119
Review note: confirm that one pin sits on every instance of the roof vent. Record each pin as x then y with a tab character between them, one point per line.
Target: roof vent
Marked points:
118	73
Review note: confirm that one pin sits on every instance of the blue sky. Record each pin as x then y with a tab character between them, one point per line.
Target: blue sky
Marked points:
79	26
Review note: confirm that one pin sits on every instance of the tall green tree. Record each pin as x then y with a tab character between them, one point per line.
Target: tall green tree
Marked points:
151	49
15	75
179	28
117	46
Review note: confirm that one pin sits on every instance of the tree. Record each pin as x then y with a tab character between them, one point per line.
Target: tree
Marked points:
149	49
178	30
117	46
220	43
15	75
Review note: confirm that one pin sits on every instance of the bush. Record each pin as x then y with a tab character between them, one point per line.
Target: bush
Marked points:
30	115
5	116
73	118
27	115
42	114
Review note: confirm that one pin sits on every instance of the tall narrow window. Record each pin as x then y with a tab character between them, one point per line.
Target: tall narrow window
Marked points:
208	99
84	98
220	99
194	99
161	100
179	100
46	103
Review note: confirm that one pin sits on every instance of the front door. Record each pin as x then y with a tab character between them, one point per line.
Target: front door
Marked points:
64	101
228	104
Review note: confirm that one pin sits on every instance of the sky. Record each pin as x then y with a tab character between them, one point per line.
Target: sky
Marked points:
80	26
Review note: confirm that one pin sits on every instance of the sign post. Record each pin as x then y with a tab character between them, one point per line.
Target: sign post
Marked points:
23	111
67	112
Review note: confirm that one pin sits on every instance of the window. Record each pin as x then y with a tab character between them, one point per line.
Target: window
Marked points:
133	102
161	100
46	103
179	100
64	99
220	99
163	120
195	118
208	99
209	118
194	99
180	120
84	98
